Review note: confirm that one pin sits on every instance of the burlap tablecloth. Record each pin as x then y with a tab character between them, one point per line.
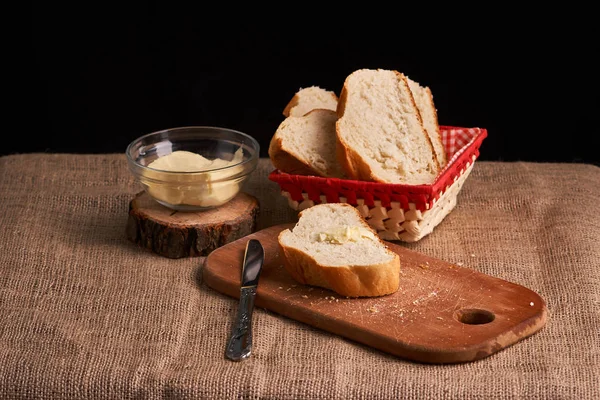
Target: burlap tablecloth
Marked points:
86	314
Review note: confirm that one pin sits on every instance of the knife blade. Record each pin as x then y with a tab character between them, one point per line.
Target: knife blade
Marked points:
239	346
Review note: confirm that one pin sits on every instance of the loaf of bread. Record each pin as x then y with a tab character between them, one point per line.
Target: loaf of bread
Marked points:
380	130
331	246
306	145
308	99
383	128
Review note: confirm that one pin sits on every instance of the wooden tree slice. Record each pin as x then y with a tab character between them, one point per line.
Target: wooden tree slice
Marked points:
177	234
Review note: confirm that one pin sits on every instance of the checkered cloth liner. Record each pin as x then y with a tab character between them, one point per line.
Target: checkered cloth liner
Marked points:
455	139
462	146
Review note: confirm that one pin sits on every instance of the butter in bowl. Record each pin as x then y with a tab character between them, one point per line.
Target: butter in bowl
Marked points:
193	168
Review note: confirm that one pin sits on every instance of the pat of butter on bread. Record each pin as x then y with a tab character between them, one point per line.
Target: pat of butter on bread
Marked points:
331	246
344	234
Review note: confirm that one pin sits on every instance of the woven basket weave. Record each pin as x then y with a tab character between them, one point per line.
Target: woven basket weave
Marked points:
397	212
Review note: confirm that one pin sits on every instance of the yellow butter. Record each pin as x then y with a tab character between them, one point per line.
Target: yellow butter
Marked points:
344	234
206	189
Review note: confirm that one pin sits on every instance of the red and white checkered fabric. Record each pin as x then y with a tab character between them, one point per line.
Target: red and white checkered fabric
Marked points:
456	139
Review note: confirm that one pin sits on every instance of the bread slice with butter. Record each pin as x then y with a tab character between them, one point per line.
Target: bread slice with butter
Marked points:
332	246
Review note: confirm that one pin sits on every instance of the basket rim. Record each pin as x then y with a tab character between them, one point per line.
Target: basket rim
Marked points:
468	153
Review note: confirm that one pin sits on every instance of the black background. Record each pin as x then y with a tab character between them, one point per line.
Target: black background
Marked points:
98	77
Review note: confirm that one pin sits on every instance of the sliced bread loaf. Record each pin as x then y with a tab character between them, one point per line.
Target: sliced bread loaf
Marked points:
380	130
308	99
306	145
331	246
424	101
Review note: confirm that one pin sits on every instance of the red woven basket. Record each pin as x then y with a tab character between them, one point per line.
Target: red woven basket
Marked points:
396	211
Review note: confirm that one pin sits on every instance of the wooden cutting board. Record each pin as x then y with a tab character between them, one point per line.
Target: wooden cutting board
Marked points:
442	313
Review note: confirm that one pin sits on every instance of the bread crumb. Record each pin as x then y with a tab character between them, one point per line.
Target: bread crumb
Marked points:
373	309
439	318
280	287
288	289
304	296
531	304
460	263
423	266
472	254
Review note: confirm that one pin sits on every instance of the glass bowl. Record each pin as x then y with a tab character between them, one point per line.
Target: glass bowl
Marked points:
198	167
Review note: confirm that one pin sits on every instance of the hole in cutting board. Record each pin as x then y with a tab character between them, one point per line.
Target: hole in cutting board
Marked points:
474	316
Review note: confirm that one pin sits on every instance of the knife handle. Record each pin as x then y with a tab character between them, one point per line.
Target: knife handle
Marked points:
240	342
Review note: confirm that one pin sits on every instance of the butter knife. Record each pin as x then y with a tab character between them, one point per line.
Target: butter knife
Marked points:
239	346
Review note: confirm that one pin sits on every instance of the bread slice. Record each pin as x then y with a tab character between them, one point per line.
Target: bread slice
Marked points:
331	246
380	130
308	99
424	101
306	145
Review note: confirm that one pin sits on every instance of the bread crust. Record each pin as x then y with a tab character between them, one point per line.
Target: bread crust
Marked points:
292	103
348	280
351	161
404	81
444	160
